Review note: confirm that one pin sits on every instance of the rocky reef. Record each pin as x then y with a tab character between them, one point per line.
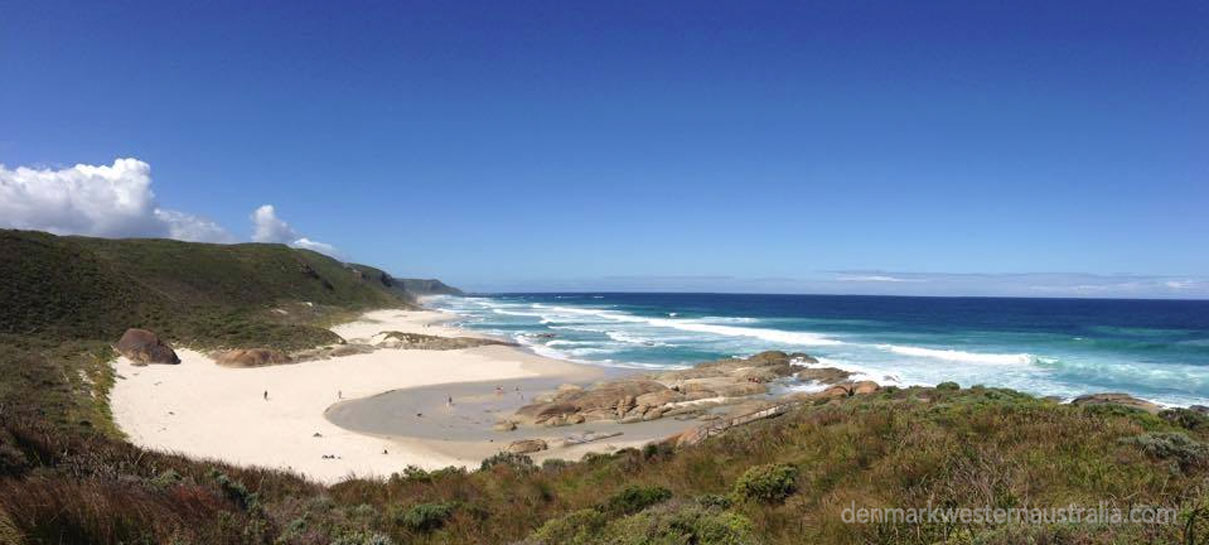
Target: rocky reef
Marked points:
685	393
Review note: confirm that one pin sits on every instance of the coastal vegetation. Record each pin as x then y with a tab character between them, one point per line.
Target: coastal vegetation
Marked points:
68	476
785	480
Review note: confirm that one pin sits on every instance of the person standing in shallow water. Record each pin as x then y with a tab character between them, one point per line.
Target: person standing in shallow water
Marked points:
266	395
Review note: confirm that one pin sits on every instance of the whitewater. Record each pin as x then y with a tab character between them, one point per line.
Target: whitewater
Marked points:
1063	348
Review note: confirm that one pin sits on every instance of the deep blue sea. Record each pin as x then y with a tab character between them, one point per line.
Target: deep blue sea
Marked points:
1155	349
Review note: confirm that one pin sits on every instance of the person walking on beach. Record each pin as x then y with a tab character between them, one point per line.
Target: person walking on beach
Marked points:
266	395
449	401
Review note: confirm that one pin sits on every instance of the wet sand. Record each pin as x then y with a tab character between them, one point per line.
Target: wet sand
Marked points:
422	417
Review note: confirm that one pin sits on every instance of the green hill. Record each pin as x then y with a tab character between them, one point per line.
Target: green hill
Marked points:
90	288
65	298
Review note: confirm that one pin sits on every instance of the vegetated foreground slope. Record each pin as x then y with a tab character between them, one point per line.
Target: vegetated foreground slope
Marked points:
784	481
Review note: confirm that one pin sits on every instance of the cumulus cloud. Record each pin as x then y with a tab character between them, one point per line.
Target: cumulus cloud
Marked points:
270	228
116	201
98	200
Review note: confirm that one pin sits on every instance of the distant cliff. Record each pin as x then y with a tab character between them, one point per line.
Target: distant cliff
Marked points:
428	286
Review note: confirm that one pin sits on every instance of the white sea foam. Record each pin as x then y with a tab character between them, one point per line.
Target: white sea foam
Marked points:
800	338
959	355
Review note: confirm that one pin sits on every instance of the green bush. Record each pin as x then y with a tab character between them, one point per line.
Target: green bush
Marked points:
769	483
1185	418
363	538
948	386
680	524
426	517
714	501
236	491
633	499
575	528
1172	446
166	479
518	462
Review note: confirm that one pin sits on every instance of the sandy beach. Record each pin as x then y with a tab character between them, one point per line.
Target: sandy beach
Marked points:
204	410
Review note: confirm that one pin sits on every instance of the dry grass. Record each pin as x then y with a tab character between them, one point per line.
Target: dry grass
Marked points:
976	447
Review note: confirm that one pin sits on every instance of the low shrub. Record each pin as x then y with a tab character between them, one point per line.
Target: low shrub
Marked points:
426	517
948	385
680	524
714	501
633	499
236	491
575	528
1173	446
769	483
517	462
363	538
1185	418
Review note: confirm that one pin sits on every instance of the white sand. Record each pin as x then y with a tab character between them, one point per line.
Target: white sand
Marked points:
203	410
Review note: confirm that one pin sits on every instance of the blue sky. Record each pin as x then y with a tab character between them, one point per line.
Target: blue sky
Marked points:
852	147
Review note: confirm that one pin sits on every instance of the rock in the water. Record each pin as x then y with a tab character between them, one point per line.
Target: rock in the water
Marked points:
1116	398
824	375
251	357
506	425
525	446
143	347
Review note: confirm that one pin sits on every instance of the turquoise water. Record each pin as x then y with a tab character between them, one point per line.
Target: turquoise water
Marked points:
1158	350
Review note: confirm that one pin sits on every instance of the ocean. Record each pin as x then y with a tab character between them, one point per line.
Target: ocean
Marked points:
1154	349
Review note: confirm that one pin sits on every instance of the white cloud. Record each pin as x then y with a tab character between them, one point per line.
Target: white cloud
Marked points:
270	228
875	278
315	245
106	201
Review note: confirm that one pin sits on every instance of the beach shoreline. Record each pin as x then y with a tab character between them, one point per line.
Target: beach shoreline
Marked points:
274	416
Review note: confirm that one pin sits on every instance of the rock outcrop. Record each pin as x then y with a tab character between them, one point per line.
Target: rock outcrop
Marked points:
252	357
823	375
143	347
416	341
1116	398
657	395
526	446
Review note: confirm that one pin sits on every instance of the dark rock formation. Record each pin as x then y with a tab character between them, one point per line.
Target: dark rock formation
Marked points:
143	347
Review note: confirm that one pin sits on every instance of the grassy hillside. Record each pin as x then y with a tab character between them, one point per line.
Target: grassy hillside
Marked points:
785	481
88	288
63	300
